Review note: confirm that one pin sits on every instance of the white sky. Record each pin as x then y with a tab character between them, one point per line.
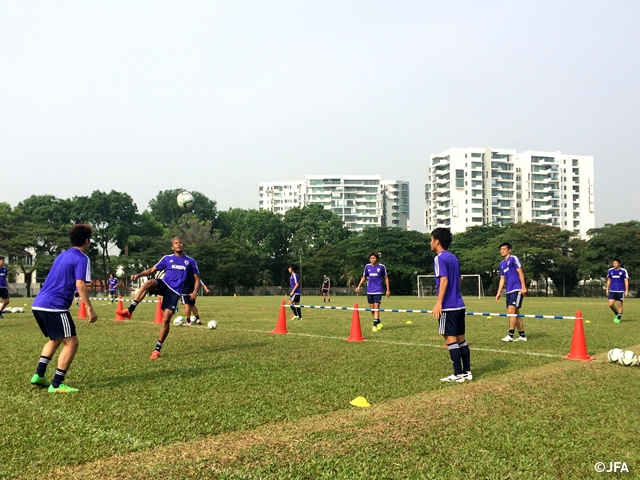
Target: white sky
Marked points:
218	96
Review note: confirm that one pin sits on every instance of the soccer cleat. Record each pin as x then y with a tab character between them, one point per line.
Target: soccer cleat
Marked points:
198	322
124	313
616	319
453	378
468	376
374	329
507	339
379	326
39	381
155	355
520	339
62	388
295	317
188	324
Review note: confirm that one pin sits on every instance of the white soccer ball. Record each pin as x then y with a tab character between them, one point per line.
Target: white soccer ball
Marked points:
614	355
20	310
193	319
212	324
185	200
15	310
178	321
627	358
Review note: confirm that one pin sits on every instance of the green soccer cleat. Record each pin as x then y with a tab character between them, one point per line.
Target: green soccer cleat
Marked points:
374	329
39	381
379	326
616	320
62	388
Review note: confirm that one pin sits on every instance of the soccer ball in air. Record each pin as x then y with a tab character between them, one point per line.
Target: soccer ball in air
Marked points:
212	324
614	355
628	358
185	200
178	321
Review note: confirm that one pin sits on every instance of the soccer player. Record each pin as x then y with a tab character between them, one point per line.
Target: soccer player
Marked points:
326	286
511	273
190	305
294	295
617	288
450	308
70	270
113	287
4	289
179	270
374	272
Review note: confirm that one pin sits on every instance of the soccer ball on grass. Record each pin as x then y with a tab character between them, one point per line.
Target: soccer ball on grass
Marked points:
212	324
178	321
614	355
185	200
628	358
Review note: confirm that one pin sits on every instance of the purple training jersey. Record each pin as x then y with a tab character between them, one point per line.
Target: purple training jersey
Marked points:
3	277
446	264
509	270
374	278
113	283
56	294
179	271
295	278
617	279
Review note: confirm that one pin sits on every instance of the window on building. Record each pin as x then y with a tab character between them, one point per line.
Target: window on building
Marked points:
574	162
459	178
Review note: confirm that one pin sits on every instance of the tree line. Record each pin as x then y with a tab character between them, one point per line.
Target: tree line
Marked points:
241	249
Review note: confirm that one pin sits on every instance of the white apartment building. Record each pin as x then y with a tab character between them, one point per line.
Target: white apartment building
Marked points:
475	186
359	200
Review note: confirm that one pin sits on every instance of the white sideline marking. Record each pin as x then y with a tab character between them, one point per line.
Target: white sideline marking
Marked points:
410	344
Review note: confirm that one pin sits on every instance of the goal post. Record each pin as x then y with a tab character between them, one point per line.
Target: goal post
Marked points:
471	285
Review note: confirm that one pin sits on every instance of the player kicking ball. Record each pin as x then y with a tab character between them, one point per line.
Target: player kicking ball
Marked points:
179	271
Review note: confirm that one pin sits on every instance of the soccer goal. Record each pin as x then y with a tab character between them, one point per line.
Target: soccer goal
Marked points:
471	285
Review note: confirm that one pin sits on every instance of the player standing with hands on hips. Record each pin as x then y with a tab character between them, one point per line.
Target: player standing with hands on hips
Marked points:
511	273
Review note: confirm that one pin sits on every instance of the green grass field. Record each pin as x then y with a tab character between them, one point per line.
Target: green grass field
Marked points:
239	402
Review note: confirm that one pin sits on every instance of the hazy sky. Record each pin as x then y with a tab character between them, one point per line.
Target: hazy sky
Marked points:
218	96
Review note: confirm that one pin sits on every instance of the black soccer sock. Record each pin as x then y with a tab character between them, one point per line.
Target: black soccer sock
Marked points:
41	369
197	317
511	332
456	357
299	310
615	311
158	345
522	334
619	316
466	356
133	306
293	309
58	377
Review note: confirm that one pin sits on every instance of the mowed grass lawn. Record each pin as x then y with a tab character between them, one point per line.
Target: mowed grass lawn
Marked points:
239	402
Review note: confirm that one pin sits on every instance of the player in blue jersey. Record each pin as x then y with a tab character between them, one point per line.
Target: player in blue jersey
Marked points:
4	288
512	275
113	287
70	270
179	270
617	288
190	309
374	272
294	295
450	309
325	289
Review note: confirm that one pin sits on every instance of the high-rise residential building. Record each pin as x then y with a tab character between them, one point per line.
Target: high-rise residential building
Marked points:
359	200
476	186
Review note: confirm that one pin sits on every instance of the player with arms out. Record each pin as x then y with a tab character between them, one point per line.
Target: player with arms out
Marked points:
326	287
617	288
4	288
294	295
374	272
450	309
113	287
179	270
71	270
511	273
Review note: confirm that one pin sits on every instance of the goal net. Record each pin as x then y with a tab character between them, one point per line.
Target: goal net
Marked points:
471	286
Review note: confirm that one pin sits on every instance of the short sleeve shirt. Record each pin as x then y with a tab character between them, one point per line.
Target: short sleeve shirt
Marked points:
179	271
57	291
374	275
446	264
509	270
617	279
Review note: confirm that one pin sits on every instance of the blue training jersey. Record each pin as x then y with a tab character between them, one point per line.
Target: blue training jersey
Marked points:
446	264
374	275
295	278
179	271
113	283
617	279
3	277
57	291
509	270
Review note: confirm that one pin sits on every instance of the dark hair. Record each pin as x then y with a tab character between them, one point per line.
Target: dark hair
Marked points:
79	234
374	254
443	235
617	260
505	244
174	239
293	267
1	257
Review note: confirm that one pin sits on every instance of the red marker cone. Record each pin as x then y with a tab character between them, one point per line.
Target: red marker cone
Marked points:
119	318
281	325
578	343
356	329
158	318
82	311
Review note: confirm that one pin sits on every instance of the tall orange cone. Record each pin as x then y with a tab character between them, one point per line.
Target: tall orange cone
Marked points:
578	343
281	326
356	329
119	318
158	318
82	311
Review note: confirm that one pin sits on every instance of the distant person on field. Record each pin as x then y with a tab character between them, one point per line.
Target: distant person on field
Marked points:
4	288
294	295
450	308
190	308
113	287
374	272
326	286
511	273
70	270
617	288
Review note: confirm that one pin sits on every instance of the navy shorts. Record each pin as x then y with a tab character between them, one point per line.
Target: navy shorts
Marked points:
186	299
170	298
295	298
113	293
514	299
325	290
376	298
55	325
4	292
616	296
451	323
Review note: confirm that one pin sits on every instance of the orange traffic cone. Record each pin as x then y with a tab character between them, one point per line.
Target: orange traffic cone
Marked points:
82	311
356	329
281	326
158	318
578	343
119	318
